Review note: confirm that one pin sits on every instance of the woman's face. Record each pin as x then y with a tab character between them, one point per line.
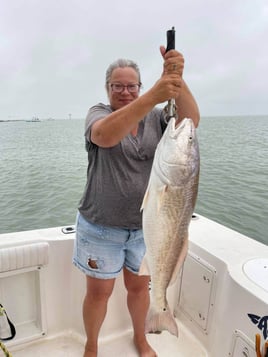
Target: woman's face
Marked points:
123	77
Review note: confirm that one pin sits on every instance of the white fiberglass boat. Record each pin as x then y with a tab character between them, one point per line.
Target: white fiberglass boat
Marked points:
220	299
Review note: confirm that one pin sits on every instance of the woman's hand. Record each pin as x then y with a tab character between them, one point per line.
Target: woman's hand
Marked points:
167	87
173	62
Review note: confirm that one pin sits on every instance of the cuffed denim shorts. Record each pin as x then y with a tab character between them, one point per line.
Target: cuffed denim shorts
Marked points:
101	252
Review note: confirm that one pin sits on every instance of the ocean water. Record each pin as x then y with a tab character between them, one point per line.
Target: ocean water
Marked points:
43	173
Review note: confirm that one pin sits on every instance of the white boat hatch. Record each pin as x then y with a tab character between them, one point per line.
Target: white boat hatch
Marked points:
257	271
199	274
242	345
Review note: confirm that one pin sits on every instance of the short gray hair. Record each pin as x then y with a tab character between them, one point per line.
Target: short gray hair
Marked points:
121	63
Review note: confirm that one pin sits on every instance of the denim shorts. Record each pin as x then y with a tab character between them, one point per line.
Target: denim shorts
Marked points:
101	251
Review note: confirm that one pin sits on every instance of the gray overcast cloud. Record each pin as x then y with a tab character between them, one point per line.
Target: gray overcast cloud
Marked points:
54	54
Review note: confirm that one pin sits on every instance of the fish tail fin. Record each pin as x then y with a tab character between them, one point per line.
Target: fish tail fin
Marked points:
157	322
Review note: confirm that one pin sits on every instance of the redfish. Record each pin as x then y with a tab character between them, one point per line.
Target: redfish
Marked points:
168	206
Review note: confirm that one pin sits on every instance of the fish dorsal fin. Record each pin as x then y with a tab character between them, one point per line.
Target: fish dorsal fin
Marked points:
180	261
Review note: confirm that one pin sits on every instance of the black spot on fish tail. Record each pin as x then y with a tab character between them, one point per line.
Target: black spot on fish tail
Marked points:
159	321
155	332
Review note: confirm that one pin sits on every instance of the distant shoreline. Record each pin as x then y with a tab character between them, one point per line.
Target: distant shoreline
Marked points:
24	120
202	118
40	120
11	120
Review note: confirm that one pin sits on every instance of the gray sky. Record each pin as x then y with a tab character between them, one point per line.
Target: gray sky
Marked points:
54	53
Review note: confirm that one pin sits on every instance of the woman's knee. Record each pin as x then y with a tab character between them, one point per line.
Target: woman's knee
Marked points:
136	284
99	288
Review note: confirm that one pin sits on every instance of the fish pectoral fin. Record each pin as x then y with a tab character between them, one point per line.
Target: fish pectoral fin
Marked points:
145	198
160	196
144	268
180	261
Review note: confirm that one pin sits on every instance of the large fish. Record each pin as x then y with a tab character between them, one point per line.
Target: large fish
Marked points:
167	207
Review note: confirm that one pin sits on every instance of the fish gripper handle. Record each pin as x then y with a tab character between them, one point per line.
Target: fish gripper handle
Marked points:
170	39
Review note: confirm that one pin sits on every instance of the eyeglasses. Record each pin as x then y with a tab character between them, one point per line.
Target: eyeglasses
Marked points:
119	88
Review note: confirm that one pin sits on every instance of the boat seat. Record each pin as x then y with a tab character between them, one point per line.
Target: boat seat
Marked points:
23	256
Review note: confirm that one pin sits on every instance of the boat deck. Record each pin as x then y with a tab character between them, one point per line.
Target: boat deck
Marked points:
224	279
164	344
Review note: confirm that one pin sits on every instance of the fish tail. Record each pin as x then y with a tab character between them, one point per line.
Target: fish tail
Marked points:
157	322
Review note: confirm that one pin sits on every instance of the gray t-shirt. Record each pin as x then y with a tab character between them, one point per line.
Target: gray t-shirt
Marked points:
117	176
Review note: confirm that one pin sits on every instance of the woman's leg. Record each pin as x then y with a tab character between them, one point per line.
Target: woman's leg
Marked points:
138	303
94	311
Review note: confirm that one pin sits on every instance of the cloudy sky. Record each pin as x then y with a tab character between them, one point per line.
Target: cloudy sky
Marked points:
54	53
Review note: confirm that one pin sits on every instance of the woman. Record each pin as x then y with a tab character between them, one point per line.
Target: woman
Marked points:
121	139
